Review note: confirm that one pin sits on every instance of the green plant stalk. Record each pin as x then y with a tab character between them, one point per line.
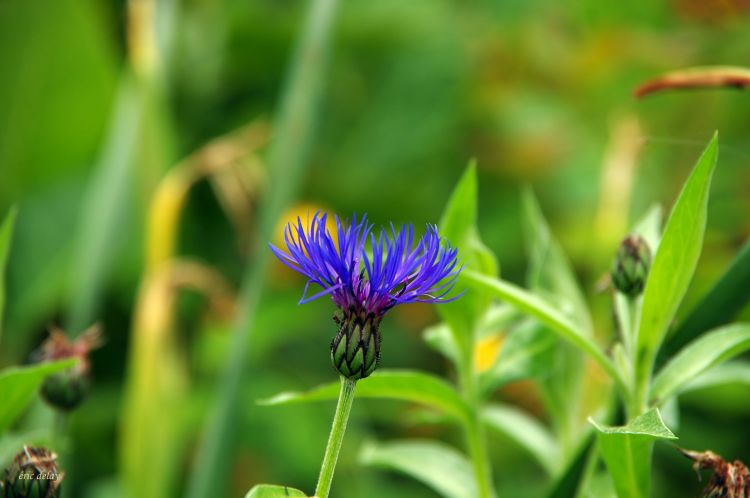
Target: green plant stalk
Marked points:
287	158
637	399
638	404
474	427
336	437
478	452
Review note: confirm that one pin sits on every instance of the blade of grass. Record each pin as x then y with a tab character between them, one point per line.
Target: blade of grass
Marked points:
6	233
287	158
105	205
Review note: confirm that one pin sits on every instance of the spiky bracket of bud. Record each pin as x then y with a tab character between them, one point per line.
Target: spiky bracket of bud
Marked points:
355	351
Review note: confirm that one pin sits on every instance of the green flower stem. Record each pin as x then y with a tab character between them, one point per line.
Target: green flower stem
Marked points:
336	437
638	401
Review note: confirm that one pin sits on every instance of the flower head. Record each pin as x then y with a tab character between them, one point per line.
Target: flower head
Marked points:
33	472
631	266
364	284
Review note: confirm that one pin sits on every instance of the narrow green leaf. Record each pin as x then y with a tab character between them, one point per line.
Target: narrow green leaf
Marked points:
649	227
6	234
526	352
731	372
437	465
525	430
458	225
627	452
550	270
496	319
675	260
700	355
271	491
541	310
568	484
720	305
18	385
416	387
440	338
460	215
105	204
649	424
600	486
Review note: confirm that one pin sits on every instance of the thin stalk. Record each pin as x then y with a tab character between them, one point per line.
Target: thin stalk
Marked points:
478	452
641	390
474	428
336	437
62	445
637	401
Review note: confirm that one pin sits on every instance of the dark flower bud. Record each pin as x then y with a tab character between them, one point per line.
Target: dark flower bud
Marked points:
631	265
65	390
355	351
32	474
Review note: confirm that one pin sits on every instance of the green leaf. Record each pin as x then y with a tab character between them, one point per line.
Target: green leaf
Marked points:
18	385
575	473
526	352
458	225
649	227
731	372
497	318
525	430
549	269
460	215
437	465
6	233
544	312
416	387
700	355
440	338
720	305
675	260
271	491
627	450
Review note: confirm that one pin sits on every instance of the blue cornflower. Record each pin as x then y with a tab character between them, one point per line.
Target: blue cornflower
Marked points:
365	286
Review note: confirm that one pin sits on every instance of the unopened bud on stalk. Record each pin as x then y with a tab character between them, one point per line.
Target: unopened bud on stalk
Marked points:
65	390
631	265
32	474
355	351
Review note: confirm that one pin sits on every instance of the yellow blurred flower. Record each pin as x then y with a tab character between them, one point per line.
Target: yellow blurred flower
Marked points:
486	352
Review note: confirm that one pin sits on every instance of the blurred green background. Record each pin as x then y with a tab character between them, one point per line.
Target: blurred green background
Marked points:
101	102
